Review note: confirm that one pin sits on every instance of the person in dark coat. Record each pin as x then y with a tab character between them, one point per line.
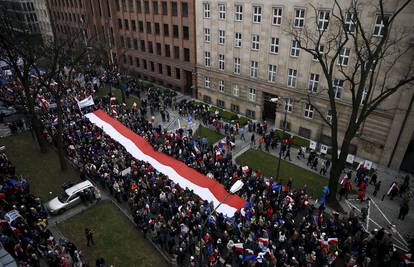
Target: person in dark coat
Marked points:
403	210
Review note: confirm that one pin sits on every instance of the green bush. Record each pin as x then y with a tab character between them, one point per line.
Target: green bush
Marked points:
229	116
299	141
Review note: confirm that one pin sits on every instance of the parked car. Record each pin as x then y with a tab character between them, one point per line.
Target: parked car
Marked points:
72	195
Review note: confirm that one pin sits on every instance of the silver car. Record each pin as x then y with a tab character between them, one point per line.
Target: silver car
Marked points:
71	197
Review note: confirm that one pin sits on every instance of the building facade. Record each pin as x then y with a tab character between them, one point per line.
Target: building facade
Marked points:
150	39
246	56
32	16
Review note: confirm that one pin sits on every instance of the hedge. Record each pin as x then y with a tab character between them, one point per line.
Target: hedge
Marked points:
297	140
230	116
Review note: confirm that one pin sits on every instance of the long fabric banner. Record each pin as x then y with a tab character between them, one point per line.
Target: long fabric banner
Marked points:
177	171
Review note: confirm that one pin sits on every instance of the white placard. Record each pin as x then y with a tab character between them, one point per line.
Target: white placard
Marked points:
312	145
324	149
368	164
350	158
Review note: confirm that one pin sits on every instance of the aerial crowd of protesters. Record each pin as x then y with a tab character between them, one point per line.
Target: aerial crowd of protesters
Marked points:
280	226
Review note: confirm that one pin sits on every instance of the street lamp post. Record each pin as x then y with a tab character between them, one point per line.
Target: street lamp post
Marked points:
277	100
234	189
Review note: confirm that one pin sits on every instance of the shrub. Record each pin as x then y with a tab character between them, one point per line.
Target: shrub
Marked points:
147	84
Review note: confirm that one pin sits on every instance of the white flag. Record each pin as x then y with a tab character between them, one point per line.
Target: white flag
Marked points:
86	102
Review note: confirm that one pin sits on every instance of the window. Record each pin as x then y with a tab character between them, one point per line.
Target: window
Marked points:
206	10
141	26
299	20
175	31
257	14
252	94
323	20
236	65
321	49
184	9
157	29
235	108
144	62
221	103
222	36
289	104
274	45
250	114
237	39
350	22
186	33
329	116
149	29
150	48
343	58
255	41
139	6
337	87
221	86
164	7
159	68
166	30
120	23
313	83
207	82
272	73
295	50
174	9
207	35
292	75
167	50
380	26
187	54
238	13
254	65
207	61
146	7
222	11
221	62
137	62
143	45
308	111
134	25
277	16
177	73
169	71
236	90
135	41
152	66
176	52
155	7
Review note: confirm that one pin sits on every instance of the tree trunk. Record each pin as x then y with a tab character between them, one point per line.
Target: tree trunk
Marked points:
36	126
59	135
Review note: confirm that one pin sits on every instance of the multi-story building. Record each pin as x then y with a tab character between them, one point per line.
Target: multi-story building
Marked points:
24	13
31	16
246	56
150	39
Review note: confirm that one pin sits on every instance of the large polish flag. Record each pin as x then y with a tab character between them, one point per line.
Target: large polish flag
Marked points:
177	171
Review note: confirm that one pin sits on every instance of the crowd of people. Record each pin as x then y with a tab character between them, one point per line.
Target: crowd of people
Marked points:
24	229
280	226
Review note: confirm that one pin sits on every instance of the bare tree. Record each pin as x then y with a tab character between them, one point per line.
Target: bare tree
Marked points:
19	49
363	59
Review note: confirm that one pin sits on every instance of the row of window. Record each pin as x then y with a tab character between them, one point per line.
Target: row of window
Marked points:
343	58
68	3
154	48
135	6
298	20
155	28
152	66
68	16
313	85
